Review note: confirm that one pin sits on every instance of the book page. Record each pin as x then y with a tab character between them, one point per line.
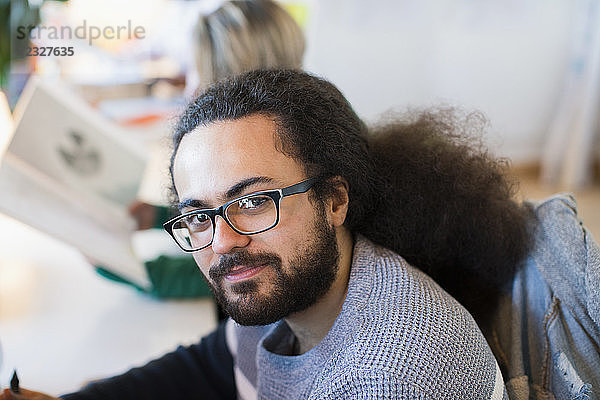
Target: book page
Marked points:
60	135
55	210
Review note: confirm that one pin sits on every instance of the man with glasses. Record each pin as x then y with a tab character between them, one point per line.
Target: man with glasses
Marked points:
279	198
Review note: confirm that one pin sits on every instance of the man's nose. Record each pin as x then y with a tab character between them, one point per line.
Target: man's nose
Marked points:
225	239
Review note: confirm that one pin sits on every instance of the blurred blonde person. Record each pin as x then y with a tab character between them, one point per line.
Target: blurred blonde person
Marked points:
242	35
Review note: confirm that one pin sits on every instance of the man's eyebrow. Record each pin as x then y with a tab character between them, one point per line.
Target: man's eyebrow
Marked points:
192	203
234	191
237	189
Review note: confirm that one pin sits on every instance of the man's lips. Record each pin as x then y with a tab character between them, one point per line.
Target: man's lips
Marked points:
241	272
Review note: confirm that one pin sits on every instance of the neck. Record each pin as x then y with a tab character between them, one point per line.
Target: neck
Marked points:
311	325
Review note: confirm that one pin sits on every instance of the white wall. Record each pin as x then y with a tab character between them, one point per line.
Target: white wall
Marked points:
506	58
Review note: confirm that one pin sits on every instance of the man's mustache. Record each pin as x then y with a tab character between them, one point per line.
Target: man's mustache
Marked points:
228	262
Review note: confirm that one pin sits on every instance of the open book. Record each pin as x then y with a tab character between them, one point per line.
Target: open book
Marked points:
72	174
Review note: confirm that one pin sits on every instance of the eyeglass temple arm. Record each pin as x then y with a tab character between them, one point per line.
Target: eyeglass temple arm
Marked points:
300	187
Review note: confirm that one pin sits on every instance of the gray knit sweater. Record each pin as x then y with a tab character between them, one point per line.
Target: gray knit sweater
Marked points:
399	335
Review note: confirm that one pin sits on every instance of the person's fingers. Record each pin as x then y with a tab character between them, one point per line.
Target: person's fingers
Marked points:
144	214
135	206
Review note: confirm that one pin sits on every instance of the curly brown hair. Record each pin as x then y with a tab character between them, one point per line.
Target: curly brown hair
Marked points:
447	207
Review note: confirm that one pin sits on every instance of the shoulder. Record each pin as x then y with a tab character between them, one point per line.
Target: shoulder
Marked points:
567	255
559	228
557	219
399	290
411	328
405	294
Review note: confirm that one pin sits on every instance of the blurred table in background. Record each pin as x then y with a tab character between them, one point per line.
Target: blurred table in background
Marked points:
61	324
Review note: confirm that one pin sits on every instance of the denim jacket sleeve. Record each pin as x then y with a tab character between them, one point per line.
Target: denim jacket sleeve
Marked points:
547	334
569	259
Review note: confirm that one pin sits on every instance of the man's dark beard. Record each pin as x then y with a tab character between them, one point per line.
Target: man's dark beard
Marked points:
312	272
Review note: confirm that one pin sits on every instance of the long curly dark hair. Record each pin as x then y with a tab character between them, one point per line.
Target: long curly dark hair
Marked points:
447	205
420	184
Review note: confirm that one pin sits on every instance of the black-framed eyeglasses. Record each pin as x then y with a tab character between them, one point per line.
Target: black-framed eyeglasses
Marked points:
247	215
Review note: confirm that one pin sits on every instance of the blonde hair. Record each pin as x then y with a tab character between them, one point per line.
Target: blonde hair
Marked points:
243	35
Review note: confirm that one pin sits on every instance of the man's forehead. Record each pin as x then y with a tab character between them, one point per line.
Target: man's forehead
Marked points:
213	158
251	134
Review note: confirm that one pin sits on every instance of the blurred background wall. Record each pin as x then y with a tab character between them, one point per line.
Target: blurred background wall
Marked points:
506	58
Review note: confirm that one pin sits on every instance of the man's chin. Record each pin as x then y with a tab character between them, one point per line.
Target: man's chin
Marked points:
247	287
247	312
249	307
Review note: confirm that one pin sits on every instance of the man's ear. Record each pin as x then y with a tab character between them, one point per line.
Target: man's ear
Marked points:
337	205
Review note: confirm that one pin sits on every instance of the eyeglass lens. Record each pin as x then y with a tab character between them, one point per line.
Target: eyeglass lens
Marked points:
247	215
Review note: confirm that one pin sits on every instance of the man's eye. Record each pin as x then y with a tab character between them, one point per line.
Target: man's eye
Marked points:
200	218
198	221
253	203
